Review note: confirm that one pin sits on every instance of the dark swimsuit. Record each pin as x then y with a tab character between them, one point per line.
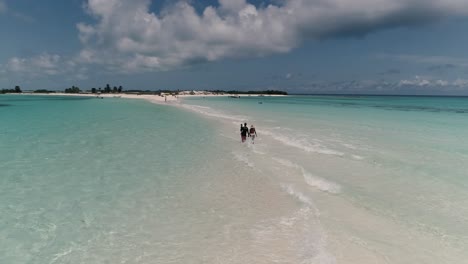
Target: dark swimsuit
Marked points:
244	133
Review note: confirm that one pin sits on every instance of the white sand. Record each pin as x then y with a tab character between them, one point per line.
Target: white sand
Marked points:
152	98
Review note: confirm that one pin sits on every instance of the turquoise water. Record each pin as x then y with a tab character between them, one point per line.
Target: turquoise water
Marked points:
388	174
96	181
330	179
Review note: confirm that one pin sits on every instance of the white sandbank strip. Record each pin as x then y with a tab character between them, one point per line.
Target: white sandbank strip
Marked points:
148	97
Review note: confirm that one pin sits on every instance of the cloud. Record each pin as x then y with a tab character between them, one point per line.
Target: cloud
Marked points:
43	65
3	7
436	61
47	64
423	85
128	37
421	81
442	67
416	81
462	83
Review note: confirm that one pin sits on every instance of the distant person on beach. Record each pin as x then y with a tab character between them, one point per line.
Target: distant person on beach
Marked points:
246	127
241	128
252	133
244	131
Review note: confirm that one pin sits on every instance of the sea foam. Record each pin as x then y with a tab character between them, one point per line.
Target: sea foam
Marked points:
312	180
242	158
296	194
302	144
300	234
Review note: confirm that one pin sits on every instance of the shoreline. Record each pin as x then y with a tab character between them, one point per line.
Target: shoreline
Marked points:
152	98
297	171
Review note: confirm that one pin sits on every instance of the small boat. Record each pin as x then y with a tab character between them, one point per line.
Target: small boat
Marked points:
234	96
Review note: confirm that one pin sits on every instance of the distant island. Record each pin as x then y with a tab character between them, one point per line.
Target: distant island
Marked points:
206	92
118	90
16	90
266	92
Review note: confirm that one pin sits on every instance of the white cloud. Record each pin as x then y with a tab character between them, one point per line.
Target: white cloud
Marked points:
430	82
4	9
43	65
460	83
430	60
128	37
417	85
417	81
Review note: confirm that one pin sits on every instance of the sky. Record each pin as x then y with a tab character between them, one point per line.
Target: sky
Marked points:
299	46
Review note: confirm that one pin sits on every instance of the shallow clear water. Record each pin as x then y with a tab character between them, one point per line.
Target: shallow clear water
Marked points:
388	175
97	181
330	179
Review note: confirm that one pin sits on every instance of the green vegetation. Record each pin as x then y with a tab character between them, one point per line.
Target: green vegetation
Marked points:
142	92
16	90
73	89
43	91
107	89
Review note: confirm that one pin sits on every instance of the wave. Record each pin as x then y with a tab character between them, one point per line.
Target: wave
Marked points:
321	183
242	158
287	163
312	180
350	146
357	157
299	236
296	194
255	148
303	144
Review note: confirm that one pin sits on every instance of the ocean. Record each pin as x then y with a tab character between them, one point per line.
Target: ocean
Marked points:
330	179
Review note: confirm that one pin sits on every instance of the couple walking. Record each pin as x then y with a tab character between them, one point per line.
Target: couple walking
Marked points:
252	133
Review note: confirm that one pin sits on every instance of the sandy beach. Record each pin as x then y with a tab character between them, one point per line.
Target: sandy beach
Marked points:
149	97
